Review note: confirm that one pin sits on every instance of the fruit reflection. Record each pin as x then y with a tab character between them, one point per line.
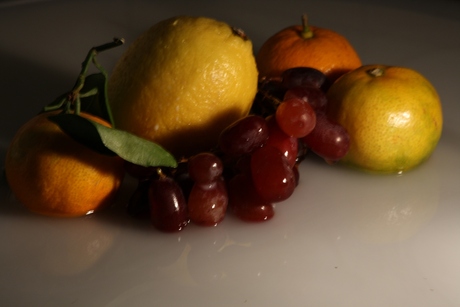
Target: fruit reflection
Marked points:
211	259
76	247
397	207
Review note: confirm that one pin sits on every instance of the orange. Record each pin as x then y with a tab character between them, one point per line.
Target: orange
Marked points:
54	175
392	114
308	46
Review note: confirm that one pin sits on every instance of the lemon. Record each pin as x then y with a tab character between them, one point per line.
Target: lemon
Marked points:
182	82
393	115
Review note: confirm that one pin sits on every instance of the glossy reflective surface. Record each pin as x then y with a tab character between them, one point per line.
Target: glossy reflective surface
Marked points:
343	239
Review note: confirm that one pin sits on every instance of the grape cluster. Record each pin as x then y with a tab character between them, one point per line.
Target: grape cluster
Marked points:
255	163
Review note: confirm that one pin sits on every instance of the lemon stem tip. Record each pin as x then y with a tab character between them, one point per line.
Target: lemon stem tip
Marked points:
239	32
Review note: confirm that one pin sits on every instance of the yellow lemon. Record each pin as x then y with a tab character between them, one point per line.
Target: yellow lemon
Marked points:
393	116
182	82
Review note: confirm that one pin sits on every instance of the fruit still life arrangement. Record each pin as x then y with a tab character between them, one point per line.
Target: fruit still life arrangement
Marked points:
209	128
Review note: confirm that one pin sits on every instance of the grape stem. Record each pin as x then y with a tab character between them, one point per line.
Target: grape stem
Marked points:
160	173
267	102
273	100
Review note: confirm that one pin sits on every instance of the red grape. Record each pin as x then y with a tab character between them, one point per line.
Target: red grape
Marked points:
168	208
295	117
328	140
273	177
303	76
246	203
243	136
312	95
205	167
288	145
207	204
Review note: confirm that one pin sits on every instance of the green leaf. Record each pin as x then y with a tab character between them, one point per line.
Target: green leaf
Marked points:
111	141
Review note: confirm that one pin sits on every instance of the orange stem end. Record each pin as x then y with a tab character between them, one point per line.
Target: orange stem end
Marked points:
306	30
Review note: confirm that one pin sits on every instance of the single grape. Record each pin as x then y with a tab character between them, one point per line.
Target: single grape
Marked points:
168	209
295	117
243	136
245	202
207	204
273	177
303	76
205	167
288	145
312	95
328	140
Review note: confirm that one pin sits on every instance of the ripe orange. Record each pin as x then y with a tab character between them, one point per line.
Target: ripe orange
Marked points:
392	114
54	175
309	46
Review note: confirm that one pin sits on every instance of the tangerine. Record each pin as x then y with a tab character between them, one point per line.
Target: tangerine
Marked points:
52	174
392	114
308	46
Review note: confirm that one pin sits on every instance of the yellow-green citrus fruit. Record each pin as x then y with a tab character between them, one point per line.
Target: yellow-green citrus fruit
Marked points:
393	116
182	82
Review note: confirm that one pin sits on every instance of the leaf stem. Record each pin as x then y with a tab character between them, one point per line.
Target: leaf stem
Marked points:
72	98
91	58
